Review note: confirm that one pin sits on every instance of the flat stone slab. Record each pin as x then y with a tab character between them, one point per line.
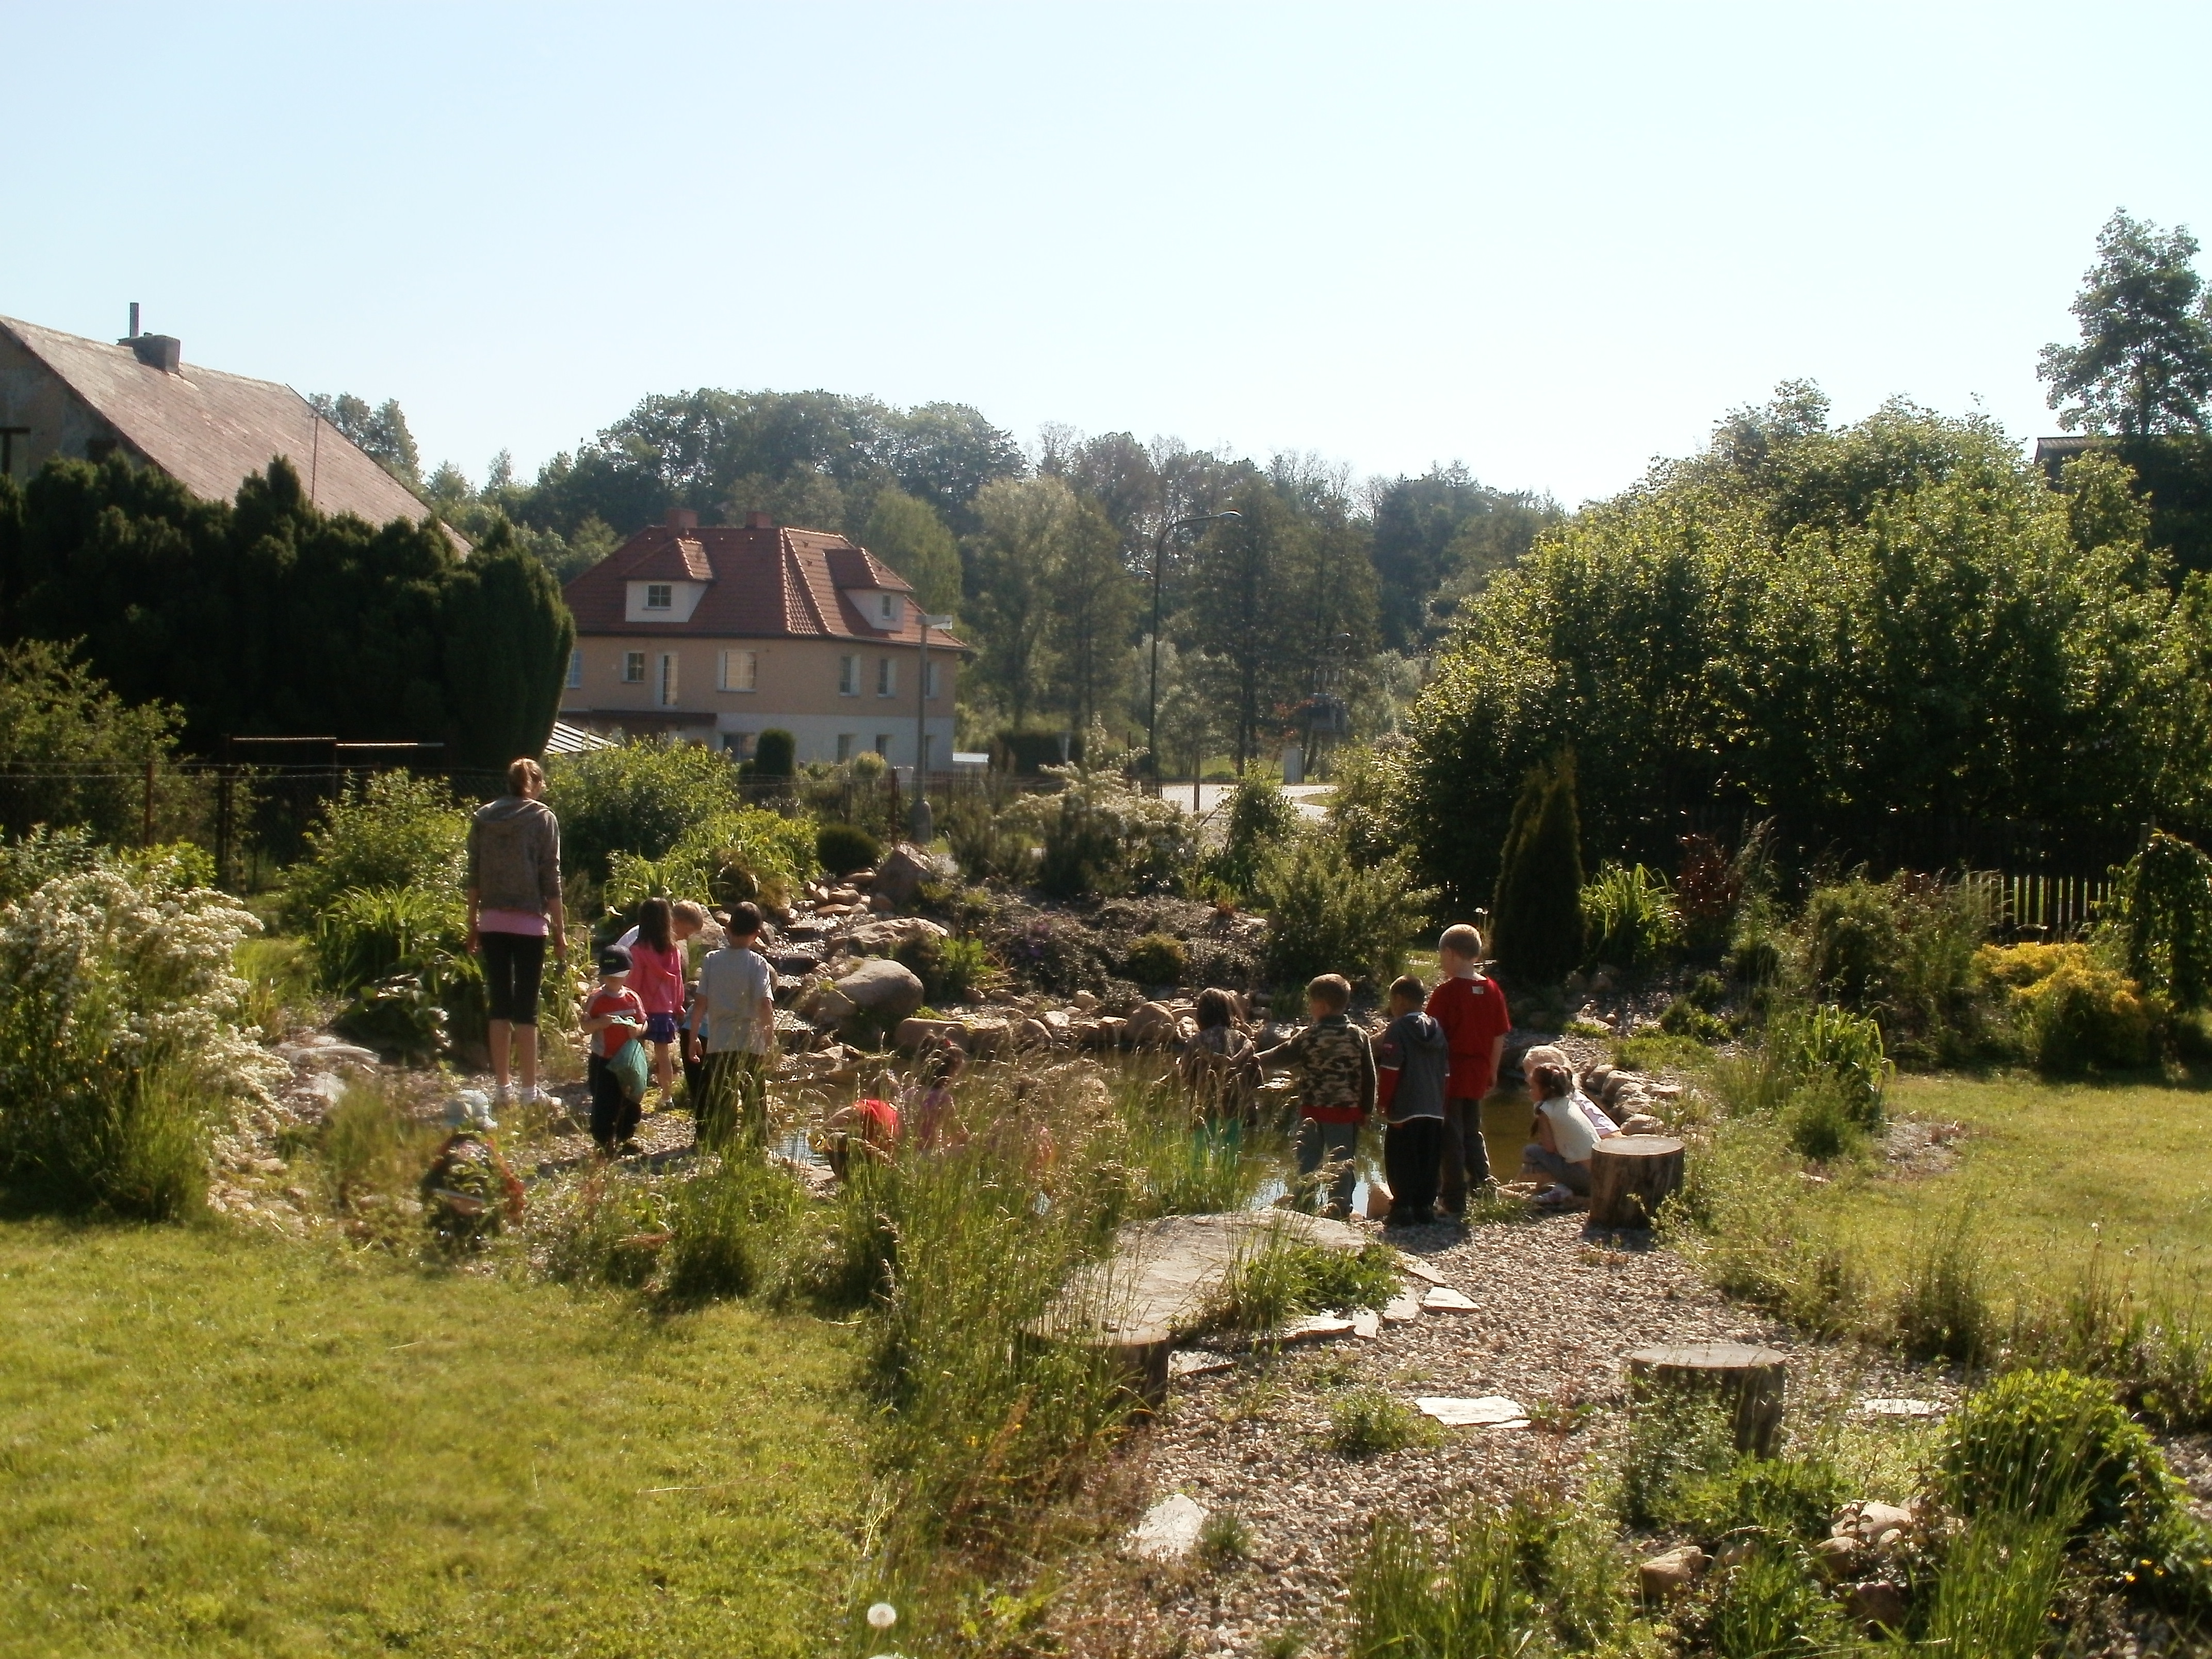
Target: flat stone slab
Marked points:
1163	1278
1419	1269
1900	1408
1170	1529
1444	1299
1491	1411
1403	1310
1316	1327
1197	1362
1367	1324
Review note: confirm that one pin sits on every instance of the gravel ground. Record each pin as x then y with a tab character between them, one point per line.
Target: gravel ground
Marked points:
1555	1316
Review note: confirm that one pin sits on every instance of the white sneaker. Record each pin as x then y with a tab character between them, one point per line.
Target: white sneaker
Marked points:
1556	1194
529	1097
502	1093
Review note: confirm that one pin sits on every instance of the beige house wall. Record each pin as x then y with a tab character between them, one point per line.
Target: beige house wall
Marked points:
796	689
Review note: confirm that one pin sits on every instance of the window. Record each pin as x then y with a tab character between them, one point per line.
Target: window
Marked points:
848	676
8	437
576	668
887	609
98	449
845	741
740	671
929	682
667	679
886	676
884	744
741	743
634	667
659	596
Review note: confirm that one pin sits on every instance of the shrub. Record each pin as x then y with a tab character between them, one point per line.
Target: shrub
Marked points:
1261	818
1536	918
120	1045
394	830
987	845
1629	918
1785	1497
775	754
365	934
2052	1445
1683	1017
1905	952
1328	913
726	856
1157	959
1674	1441
639	797
2161	919
1832	1044
1368	1422
1944	1310
1771	1604
1101	837
841	848
2085	1017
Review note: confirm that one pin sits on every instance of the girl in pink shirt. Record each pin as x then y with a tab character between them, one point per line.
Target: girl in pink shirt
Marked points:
656	975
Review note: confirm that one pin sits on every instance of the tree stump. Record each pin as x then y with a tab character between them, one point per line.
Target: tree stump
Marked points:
1630	1175
1750	1383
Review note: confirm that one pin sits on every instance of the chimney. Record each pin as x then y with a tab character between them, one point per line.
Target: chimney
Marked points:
162	351
134	319
760	522
682	518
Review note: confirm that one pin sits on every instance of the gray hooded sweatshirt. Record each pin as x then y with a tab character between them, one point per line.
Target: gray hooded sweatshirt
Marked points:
514	856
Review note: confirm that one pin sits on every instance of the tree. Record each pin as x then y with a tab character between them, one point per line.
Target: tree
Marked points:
1536	917
507	639
1439	537
2144	364
1094	604
71	751
1241	610
1014	561
380	432
906	533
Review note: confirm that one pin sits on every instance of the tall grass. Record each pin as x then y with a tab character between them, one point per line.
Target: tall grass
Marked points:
1469	1599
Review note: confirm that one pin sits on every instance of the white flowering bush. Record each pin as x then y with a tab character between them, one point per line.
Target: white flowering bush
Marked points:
121	1040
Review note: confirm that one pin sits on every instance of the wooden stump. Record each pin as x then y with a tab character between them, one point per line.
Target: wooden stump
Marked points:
1630	1175
1750	1383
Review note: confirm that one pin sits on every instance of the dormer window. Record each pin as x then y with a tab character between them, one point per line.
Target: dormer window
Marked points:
887	610
659	596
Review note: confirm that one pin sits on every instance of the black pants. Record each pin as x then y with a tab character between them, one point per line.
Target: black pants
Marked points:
1465	1159
513	965
614	1114
1413	1163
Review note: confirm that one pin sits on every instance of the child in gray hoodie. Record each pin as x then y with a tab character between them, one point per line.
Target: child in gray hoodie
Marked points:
1412	1059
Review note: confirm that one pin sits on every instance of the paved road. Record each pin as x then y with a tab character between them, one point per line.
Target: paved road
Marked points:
1311	798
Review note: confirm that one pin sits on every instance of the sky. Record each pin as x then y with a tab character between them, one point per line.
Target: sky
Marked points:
1549	241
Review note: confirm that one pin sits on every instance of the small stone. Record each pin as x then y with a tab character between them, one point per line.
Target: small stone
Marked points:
1367	1324
1169	1531
1403	1310
1085	1000
1877	1602
1441	1299
1900	1408
1736	1553
1876	1519
1491	1411
1664	1577
1419	1269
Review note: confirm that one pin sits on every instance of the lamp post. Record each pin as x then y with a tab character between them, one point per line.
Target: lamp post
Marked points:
921	824
1160	553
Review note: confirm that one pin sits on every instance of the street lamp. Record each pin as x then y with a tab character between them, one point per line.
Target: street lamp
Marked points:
1159	552
921	825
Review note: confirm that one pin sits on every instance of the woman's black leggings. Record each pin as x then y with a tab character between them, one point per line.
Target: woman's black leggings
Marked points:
512	964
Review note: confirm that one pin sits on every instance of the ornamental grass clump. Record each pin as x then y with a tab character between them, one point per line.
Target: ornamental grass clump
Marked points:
121	1047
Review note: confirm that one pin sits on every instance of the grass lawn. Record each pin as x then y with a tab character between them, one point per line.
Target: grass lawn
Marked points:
213	1445
2043	1164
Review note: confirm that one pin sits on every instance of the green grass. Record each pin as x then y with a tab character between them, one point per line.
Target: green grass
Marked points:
213	1445
2047	1172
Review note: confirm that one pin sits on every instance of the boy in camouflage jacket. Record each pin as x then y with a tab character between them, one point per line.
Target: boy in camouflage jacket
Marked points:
1335	1070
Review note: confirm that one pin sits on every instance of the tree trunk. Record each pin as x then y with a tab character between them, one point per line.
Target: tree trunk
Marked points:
1630	1175
1750	1383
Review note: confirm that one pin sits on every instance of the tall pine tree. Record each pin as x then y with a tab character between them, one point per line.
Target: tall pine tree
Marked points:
1536	918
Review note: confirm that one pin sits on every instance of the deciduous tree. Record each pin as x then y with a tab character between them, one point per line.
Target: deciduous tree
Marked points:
2144	364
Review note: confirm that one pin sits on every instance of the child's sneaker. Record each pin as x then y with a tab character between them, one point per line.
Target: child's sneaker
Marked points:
1555	1197
529	1097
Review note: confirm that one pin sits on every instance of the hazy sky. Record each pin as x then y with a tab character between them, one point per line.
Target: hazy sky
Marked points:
1550	241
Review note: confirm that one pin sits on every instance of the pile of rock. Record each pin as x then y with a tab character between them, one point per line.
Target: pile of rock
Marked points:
1633	1101
1865	1555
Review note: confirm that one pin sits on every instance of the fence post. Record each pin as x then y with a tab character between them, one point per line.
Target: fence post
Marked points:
222	825
146	823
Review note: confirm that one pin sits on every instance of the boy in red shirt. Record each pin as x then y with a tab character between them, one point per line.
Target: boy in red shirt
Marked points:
612	1017
1471	1010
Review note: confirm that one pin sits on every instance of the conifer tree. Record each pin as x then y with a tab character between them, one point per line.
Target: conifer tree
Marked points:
1536	919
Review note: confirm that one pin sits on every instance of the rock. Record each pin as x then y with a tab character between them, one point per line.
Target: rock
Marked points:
1876	1521
1877	1602
899	876
1664	1577
1419	1269
1058	1022
1083	1001
1900	1408
796	964
1314	1327
1491	1411
881	904
1367	1324
1087	1034
889	990
1197	1362
1113	1031
1033	1034
1169	1531
1378	1201
1736	1553
883	938
1152	1026
1594	1079
1441	1299
988	1036
1835	1557
918	1033
325	1086
1619	1084
1403	1310
1642	1123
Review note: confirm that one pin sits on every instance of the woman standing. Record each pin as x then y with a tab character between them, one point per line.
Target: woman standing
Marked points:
515	907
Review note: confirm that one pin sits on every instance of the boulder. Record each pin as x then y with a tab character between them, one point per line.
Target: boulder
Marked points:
1152	1026
1879	1603
1083	1001
1664	1577
887	990
988	1036
918	1033
899	876
1032	1034
884	938
1836	1558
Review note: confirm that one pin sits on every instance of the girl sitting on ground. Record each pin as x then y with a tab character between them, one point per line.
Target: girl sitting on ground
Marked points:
1567	1130
657	975
928	1104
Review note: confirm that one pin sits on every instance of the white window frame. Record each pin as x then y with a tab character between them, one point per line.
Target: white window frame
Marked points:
661	596
671	687
633	669
738	671
887	609
848	676
887	677
576	669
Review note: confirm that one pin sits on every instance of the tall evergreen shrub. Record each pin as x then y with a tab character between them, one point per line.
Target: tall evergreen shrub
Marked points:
1536	918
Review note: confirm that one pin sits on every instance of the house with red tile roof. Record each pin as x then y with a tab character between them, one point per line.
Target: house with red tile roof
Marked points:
715	634
61	394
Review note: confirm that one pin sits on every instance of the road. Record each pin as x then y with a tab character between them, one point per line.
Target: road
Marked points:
1310	798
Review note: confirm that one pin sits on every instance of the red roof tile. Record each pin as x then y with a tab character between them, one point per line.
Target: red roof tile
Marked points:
762	583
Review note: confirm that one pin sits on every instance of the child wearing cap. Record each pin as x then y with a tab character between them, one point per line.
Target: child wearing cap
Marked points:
612	1016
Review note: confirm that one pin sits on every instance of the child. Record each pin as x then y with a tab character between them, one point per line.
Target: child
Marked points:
1567	1129
613	1016
929	1101
1217	1064
1471	1010
656	976
1411	1060
732	1035
1336	1089
868	1129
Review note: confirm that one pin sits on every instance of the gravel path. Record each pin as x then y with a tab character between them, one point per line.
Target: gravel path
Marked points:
1555	1316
